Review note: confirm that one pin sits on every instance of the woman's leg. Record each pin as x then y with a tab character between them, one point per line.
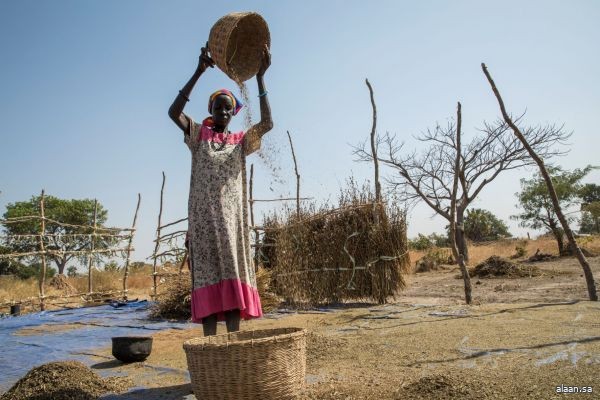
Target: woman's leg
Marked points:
232	319
209	325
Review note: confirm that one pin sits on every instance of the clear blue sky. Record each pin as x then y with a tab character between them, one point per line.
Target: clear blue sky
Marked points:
85	87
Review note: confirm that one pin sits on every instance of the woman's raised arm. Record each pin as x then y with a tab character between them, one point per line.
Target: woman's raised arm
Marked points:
176	110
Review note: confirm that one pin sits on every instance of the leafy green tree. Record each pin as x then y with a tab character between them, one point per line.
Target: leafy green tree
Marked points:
20	270
8	266
481	225
73	212
72	271
590	209
538	211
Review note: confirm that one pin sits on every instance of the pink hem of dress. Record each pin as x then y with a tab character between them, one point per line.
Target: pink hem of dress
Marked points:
229	294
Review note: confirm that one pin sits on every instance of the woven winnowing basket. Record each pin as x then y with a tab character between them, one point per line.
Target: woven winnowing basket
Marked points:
267	364
236	43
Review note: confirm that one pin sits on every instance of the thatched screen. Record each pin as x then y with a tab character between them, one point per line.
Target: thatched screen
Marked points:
337	254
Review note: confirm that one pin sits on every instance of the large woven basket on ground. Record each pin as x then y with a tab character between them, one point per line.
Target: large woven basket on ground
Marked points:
267	364
236	43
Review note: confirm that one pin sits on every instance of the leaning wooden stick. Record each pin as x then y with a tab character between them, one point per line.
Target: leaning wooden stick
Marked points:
377	203
587	271
373	144
251	202
297	176
42	252
126	272
185	258
92	244
156	246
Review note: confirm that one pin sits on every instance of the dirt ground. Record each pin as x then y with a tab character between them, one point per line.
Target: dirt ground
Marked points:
520	339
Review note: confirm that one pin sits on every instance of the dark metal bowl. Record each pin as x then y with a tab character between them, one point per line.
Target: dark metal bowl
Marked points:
131	348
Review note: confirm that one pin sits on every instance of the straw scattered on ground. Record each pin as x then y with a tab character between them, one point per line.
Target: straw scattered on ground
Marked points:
64	380
501	267
174	300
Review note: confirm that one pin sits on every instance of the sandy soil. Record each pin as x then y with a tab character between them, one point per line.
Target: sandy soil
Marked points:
521	339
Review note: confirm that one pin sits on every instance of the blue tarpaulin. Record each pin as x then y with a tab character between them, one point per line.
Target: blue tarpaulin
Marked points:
26	342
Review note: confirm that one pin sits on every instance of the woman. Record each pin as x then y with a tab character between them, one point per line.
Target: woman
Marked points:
223	278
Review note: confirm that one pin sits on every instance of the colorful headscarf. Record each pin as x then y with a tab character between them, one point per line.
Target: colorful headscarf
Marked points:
237	104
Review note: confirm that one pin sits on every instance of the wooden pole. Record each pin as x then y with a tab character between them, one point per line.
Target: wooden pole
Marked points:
373	144
92	245
42	252
281	199
157	245
185	259
297	177
374	154
587	271
126	272
251	201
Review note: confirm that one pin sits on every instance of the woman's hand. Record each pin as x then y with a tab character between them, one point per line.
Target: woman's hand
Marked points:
266	61
204	61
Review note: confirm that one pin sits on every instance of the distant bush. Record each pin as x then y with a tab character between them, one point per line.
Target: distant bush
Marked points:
422	242
33	270
433	259
139	266
112	267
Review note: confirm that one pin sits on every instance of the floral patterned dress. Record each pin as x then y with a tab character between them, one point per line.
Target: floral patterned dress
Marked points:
223	276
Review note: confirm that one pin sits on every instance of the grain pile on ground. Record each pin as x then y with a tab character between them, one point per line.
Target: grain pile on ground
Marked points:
441	387
501	267
335	254
174	300
60	282
63	380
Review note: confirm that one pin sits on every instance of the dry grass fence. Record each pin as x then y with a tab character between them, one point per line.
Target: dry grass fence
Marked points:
119	239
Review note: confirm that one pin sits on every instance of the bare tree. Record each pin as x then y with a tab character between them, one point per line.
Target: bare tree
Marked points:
539	160
460	258
429	176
